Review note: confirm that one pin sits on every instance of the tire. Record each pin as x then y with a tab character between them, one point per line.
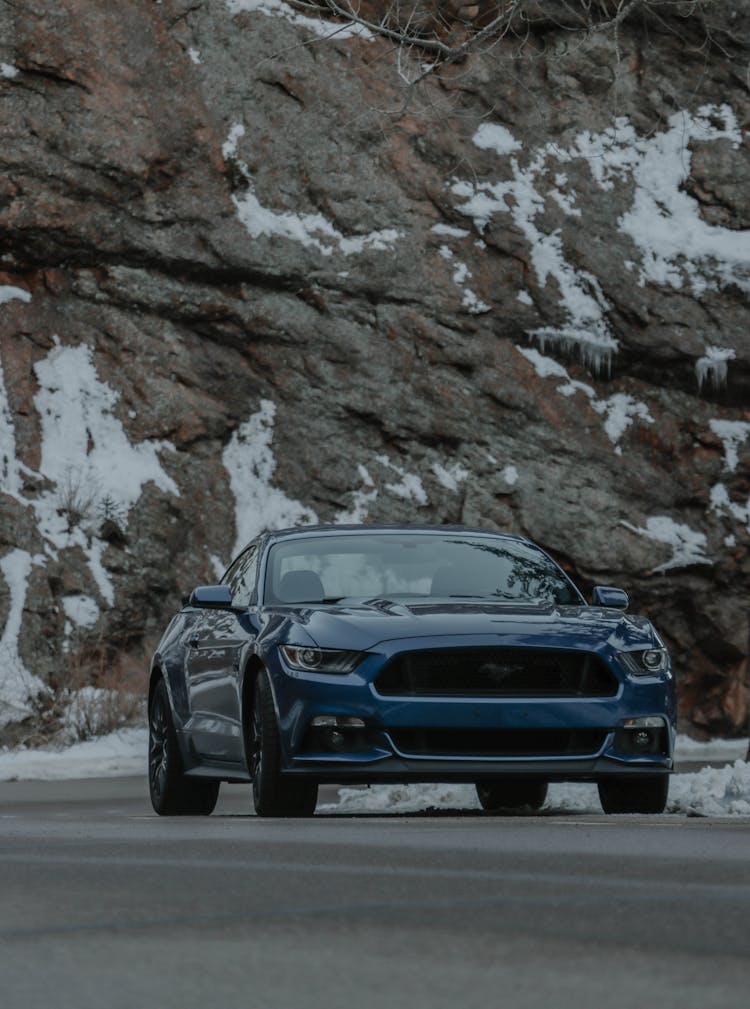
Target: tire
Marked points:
273	794
172	794
634	795
495	796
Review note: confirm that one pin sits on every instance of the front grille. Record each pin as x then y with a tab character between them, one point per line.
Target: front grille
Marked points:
496	672
498	742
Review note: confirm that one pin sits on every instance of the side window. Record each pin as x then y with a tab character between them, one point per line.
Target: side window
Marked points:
241	577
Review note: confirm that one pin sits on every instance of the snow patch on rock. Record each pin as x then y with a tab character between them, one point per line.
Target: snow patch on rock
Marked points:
497	138
86	456
85	449
619	410
10	468
361	500
676	246
450	476
10	293
722	504
318	26
81	610
713	367
450	231
733	434
17	685
312	230
510	475
461	273
409	487
688	546
249	460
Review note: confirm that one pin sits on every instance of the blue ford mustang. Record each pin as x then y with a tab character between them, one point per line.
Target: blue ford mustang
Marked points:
400	653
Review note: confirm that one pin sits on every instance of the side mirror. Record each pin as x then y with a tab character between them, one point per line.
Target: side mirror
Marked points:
608	595
211	596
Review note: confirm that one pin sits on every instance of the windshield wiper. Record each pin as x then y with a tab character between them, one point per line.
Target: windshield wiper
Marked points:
492	596
315	602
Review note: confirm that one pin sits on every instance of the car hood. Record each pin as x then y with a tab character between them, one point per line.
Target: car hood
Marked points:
363	626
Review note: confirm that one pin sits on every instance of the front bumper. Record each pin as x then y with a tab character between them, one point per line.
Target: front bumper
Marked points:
374	754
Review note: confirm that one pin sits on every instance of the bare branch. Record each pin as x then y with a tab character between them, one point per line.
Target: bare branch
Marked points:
410	36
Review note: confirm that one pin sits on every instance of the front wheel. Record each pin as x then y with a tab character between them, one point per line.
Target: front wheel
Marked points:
509	795
634	795
172	794
273	794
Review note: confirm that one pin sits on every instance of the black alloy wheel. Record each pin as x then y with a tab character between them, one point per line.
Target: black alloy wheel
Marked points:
273	794
500	796
172	794
634	795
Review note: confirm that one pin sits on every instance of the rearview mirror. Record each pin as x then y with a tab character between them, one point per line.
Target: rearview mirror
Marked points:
608	595
216	596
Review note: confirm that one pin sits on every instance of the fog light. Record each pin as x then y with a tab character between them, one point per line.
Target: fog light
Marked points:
336	739
647	722
643	737
337	721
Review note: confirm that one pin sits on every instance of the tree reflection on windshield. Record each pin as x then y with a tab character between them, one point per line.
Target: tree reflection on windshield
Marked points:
428	565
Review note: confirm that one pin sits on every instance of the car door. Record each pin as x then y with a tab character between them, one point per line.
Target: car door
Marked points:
214	646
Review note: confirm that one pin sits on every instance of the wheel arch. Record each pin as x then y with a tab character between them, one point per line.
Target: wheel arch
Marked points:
160	671
156	674
253	668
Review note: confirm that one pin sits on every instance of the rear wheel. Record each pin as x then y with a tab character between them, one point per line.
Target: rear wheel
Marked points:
172	794
497	795
273	794
634	795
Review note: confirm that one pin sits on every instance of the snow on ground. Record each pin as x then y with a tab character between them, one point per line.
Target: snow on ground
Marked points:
120	753
712	791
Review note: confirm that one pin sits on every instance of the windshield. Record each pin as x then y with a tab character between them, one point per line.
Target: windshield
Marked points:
403	565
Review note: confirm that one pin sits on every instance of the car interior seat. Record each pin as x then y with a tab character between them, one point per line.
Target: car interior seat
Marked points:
301	586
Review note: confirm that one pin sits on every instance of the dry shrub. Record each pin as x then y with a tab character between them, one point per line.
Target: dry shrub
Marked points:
95	692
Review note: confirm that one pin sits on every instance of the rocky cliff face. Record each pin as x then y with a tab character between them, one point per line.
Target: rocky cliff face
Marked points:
251	275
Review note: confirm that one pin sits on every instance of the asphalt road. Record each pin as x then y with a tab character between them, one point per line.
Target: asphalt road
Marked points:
104	905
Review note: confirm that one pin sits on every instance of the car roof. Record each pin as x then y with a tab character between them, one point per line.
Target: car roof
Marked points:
402	527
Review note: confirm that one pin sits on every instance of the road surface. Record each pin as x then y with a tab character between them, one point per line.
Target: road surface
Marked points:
104	905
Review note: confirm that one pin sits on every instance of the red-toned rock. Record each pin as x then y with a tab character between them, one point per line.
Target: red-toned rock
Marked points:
217	216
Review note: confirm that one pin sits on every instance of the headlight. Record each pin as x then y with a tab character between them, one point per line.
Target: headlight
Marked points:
653	660
320	660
